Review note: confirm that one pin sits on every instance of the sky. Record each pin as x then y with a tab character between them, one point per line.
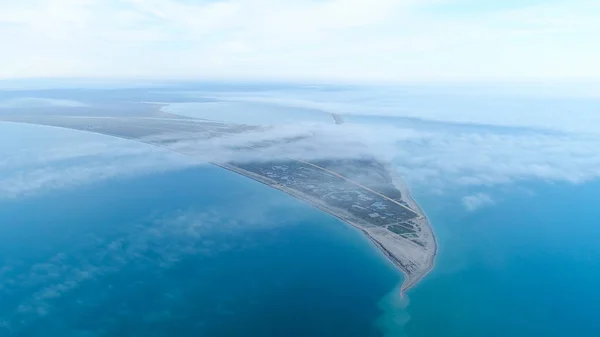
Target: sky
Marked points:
305	40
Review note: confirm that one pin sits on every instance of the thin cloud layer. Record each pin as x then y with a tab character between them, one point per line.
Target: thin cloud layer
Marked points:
477	201
34	102
53	159
150	245
567	107
436	151
430	159
433	159
333	40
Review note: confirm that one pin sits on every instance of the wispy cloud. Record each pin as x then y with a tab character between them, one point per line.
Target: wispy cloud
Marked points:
535	106
439	137
490	159
448	145
346	39
477	201
34	102
430	158
158	243
433	158
49	159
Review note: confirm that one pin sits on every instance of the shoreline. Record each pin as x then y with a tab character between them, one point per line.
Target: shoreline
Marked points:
405	192
413	255
408	281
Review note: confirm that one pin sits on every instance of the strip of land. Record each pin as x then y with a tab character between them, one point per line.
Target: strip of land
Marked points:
361	192
399	231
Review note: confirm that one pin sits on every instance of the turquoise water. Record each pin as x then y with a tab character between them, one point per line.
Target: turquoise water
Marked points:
193	252
203	251
528	266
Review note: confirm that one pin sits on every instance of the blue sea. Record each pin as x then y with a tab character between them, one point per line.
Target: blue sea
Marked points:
202	251
527	266
199	251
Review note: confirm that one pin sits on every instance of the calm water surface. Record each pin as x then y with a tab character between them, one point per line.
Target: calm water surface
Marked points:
527	266
196	252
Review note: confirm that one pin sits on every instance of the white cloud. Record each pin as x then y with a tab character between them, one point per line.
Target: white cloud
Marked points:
430	158
49	159
33	102
167	238
557	107
473	158
504	148
391	40
5	326
477	201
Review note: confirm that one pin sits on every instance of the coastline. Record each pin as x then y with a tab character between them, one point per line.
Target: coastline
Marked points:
407	197
412	254
410	280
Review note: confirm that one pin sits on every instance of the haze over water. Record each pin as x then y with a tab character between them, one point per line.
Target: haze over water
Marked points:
180	250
